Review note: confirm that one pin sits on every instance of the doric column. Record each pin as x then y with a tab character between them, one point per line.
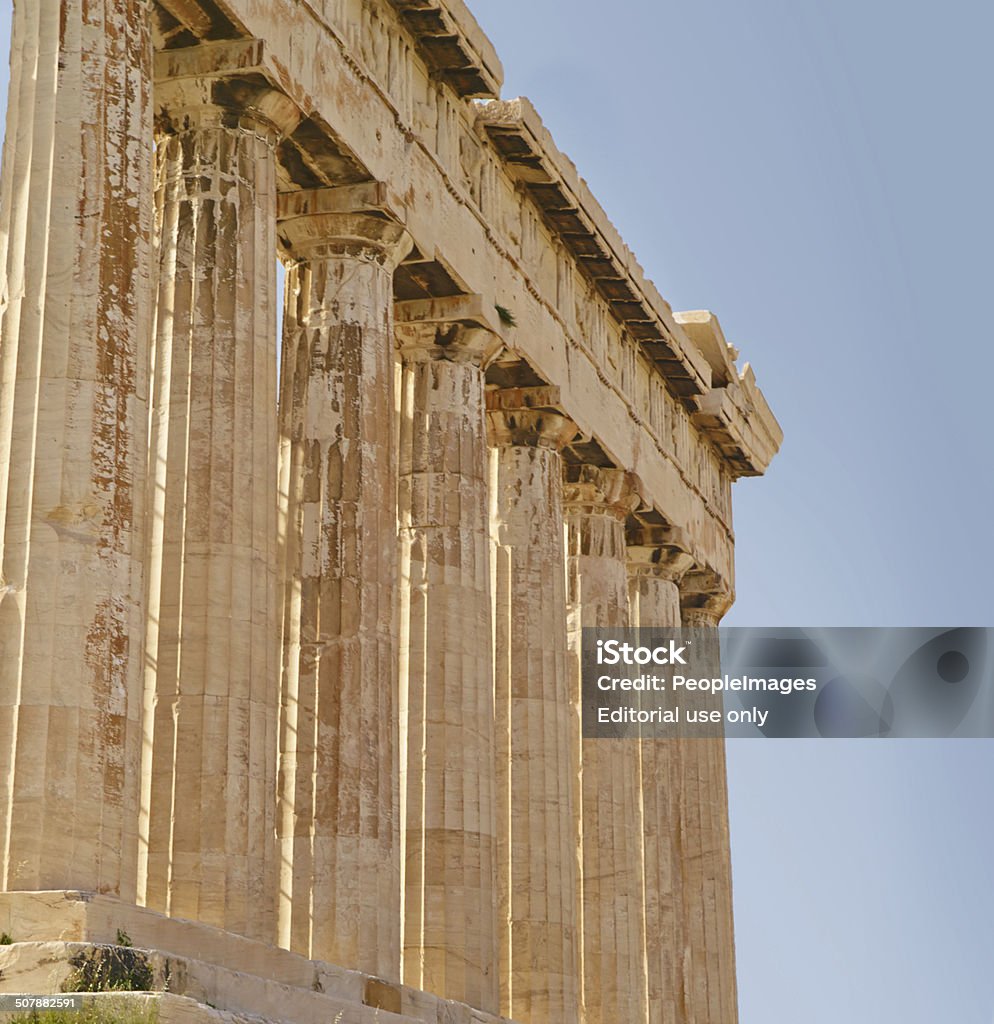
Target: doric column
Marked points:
447	686
75	302
337	820
213	637
537	822
657	560
611	884
709	953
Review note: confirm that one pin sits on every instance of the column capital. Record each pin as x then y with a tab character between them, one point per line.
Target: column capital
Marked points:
705	597
659	550
528	417
457	328
221	85
599	490
350	220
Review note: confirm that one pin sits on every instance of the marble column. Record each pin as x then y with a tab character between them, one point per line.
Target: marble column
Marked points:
337	819
75	326
447	684
598	502
657	560
538	831
710	994
213	639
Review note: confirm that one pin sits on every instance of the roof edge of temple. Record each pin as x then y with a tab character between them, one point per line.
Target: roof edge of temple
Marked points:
689	348
528	150
734	413
451	41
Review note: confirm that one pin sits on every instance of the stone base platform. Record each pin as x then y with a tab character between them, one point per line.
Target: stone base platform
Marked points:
190	972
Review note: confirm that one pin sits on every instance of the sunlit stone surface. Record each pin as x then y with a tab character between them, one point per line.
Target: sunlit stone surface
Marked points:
289	679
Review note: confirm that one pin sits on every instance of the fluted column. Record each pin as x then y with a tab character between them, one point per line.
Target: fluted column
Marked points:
447	687
213	638
709	957
611	883
337	820
75	325
537	821
657	560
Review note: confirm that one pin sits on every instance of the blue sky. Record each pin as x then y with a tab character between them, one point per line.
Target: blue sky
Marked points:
819	176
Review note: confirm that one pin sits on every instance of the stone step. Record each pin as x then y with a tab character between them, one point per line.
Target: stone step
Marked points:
169	1008
48	967
88	917
237	970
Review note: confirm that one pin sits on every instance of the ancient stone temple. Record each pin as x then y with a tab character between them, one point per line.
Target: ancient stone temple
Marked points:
289	620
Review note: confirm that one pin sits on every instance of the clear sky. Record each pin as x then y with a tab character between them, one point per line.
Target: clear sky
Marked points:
819	175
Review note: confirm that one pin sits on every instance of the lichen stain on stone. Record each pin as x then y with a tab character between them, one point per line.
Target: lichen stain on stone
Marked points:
106	652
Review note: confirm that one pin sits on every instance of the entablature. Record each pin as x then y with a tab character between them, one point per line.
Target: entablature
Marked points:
453	44
467	181
734	413
551	181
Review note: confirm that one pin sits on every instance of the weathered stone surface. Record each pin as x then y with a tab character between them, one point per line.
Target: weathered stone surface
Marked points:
209	770
655	563
439	818
709	943
734	414
51	967
535	720
214	969
447	696
462	203
75	299
338	812
597	502
84	917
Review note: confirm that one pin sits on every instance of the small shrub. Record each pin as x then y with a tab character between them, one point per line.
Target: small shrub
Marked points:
109	969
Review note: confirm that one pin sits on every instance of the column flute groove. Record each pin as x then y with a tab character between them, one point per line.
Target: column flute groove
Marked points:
213	636
75	328
538	830
657	560
709	958
597	503
447	685
338	820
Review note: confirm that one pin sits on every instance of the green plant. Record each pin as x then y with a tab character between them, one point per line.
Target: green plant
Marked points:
109	969
123	938
5	939
505	315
